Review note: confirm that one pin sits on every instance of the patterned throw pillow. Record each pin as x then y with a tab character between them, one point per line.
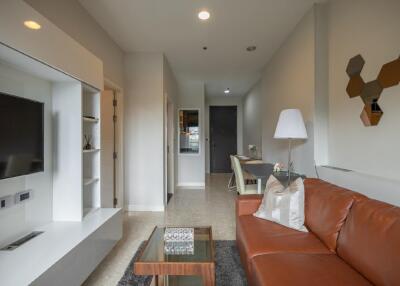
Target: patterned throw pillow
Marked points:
283	205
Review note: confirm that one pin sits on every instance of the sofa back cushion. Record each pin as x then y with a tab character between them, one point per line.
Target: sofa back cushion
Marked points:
326	209
370	241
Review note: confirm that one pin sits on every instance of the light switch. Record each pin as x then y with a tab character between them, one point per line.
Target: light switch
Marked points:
6	202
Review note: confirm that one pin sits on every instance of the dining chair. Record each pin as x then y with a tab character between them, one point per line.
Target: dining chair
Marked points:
248	178
232	181
241	187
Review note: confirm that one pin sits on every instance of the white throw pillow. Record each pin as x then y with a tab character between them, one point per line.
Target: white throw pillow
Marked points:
283	205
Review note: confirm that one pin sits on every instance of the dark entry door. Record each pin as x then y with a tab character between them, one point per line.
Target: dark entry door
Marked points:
223	137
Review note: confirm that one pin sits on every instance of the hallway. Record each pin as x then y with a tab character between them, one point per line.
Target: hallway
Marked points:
213	206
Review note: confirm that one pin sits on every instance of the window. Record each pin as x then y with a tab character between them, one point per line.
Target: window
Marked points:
189	131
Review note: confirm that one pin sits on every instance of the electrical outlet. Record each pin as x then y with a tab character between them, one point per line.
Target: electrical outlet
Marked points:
6	202
24	196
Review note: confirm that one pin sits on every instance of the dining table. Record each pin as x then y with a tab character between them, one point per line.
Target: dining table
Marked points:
261	171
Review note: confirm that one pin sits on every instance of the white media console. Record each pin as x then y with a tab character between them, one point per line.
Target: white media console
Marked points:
65	253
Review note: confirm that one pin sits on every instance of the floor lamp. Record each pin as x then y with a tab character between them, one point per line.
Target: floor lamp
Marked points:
290	126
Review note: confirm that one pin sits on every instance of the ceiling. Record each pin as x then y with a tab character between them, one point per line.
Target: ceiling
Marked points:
172	27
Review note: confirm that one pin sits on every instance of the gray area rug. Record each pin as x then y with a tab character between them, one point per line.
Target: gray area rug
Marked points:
228	269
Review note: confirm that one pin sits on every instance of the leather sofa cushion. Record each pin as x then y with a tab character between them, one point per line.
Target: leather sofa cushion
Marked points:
248	204
370	241
294	269
326	209
257	236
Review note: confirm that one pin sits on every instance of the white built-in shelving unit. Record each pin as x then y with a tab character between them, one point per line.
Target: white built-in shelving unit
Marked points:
77	177
79	230
91	159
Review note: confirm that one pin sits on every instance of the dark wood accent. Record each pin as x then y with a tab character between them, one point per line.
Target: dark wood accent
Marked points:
371	114
390	74
355	86
370	92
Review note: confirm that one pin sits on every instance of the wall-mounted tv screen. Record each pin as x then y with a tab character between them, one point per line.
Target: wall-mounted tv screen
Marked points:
21	136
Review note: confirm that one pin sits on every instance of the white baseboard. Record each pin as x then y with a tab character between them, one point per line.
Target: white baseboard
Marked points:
192	185
144	208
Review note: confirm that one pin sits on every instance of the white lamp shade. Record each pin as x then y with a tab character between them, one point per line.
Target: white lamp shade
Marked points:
290	125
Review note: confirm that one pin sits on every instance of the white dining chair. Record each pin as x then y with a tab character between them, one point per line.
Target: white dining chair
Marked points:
241	187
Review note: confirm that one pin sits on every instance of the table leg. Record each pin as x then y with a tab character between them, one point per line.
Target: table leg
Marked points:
259	186
209	280
156	280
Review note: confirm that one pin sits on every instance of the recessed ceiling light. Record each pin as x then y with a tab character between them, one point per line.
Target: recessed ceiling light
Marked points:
251	48
32	25
227	91
204	15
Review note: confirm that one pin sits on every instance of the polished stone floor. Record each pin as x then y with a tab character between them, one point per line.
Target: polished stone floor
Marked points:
213	206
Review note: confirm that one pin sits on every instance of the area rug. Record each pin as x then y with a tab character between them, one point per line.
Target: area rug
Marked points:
228	269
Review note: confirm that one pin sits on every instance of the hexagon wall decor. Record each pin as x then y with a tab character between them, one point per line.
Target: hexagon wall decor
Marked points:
371	91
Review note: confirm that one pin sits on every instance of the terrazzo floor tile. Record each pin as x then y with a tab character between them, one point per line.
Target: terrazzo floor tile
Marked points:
214	206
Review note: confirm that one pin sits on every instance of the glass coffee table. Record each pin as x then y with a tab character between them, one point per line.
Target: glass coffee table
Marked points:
176	270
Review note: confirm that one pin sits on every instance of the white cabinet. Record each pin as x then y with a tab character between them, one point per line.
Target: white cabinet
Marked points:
76	141
67	151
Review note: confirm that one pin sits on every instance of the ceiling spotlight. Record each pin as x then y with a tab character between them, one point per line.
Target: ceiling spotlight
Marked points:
227	91
204	15
251	48
32	25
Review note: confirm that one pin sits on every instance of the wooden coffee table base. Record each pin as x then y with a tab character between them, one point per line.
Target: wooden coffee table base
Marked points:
204	269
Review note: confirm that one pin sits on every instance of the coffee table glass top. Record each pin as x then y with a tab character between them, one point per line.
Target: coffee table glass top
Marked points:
203	249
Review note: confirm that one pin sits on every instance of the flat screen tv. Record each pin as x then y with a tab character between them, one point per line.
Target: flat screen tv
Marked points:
21	136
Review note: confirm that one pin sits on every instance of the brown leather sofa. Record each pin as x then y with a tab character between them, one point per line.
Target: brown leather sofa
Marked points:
352	240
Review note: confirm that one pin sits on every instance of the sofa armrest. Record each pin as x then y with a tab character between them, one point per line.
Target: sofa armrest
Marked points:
247	204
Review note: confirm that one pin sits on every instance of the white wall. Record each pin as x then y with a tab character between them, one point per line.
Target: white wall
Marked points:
369	28
321	109
19	219
191	167
170	85
223	101
375	187
288	82
74	20
309	72
252	118
144	132
170	90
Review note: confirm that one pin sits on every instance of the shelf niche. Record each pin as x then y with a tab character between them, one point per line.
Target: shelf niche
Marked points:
90	119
